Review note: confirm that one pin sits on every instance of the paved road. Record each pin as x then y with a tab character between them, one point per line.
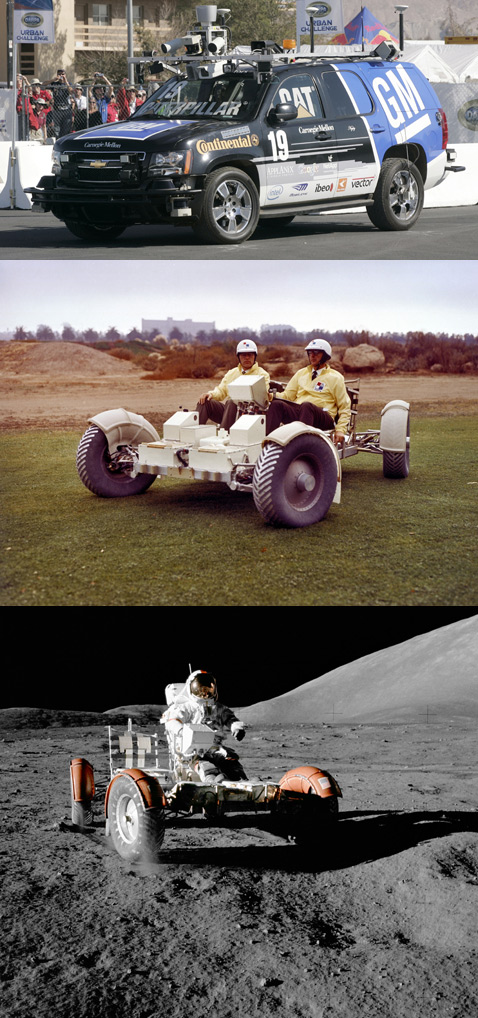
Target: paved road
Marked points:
444	234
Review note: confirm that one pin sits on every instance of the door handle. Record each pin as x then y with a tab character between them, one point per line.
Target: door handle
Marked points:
377	129
322	136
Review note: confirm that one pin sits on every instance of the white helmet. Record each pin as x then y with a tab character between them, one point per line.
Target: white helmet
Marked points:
246	346
320	344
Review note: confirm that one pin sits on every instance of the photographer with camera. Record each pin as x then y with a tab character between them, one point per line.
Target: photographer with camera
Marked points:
62	108
101	94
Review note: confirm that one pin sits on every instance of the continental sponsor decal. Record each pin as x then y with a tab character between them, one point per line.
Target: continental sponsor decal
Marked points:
342	184
244	141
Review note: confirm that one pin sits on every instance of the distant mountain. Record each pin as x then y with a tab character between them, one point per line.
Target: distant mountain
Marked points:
435	672
424	19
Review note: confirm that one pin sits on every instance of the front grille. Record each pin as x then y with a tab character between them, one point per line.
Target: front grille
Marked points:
101	169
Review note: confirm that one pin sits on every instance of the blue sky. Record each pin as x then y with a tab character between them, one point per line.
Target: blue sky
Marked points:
437	296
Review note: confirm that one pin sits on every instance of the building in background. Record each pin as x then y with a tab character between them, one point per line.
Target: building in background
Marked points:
98	30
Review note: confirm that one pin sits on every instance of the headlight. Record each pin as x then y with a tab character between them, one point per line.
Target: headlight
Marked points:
170	162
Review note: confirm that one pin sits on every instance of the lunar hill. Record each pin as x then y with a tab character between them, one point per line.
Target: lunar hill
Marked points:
433	677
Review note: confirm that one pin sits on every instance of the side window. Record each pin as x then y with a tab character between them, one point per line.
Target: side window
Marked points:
356	87
301	91
337	100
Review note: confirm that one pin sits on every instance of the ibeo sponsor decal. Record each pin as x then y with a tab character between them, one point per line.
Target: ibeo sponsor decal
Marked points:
324	187
362	182
245	141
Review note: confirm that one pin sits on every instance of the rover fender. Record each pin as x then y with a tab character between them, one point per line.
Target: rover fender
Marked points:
310	781
121	427
82	780
394	426
151	792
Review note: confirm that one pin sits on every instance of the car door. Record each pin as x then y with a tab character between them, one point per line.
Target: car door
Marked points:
360	129
300	154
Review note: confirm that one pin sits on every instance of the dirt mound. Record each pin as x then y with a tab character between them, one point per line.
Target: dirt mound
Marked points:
60	359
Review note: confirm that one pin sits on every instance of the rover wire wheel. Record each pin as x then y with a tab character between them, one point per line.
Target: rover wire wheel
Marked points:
398	197
137	831
105	474
230	207
397	464
294	485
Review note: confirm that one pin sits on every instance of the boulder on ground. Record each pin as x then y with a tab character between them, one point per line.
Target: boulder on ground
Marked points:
363	358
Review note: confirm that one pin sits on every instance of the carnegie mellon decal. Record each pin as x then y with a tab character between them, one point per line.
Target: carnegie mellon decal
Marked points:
244	141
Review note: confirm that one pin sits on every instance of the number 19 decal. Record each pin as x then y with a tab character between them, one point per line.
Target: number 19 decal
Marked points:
279	144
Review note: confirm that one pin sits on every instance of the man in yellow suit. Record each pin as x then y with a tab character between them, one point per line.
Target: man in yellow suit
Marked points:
214	405
315	395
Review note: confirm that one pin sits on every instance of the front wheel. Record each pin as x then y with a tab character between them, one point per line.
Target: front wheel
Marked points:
230	208
106	474
137	832
294	485
398	197
96	232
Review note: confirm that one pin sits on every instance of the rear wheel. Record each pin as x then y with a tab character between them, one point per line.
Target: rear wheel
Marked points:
90	231
108	474
230	208
398	197
294	485
397	464
137	831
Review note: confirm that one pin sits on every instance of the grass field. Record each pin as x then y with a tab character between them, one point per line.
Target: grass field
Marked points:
187	543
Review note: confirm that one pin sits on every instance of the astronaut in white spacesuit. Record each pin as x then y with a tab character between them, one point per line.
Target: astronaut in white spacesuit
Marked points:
198	704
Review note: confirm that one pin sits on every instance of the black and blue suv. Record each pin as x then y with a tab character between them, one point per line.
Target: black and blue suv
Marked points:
229	141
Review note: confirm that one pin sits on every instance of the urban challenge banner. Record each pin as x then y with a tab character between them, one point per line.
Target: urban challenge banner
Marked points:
33	21
328	21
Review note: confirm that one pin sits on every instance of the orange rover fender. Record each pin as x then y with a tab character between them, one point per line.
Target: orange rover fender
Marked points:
82	780
310	781
151	791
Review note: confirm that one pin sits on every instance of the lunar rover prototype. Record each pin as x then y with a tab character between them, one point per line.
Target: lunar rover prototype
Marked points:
294	473
154	785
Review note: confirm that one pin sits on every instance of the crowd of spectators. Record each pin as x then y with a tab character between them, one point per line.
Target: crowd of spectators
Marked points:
53	108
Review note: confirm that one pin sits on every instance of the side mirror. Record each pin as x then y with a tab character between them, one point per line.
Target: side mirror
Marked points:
283	111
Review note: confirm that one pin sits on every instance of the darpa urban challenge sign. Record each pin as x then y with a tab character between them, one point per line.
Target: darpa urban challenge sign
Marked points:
33	21
329	19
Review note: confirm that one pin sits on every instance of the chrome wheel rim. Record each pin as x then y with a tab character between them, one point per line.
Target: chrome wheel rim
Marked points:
232	207
404	195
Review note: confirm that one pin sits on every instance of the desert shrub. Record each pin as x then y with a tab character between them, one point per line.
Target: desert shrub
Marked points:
122	355
196	362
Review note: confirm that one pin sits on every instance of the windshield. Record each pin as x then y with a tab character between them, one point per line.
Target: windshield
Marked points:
235	96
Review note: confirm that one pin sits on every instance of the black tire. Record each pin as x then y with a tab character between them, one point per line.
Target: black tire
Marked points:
397	464
294	485
398	197
230	207
90	231
137	832
104	474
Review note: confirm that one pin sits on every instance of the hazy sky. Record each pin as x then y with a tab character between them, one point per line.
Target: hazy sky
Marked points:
385	296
